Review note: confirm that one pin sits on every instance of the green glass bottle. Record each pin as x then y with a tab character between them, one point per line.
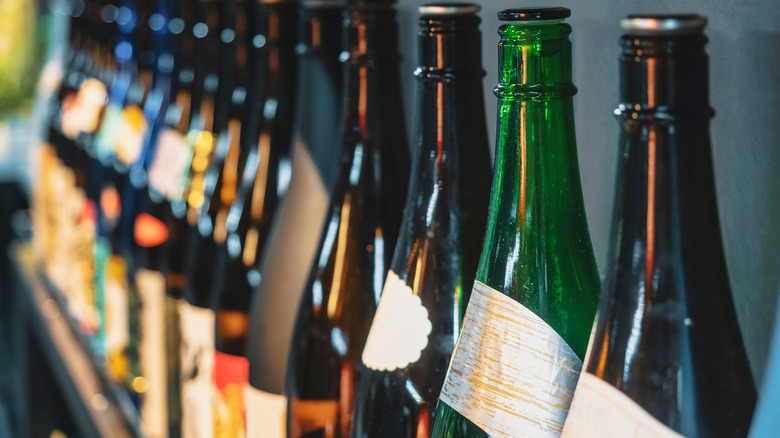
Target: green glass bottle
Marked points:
527	323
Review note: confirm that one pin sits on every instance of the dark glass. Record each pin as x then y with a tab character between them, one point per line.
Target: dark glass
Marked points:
249	220
537	250
438	246
297	228
667	334
358	239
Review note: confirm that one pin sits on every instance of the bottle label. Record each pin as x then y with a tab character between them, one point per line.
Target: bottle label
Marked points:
154	411
511	374
599	410
197	368
130	134
317	417
81	112
231	376
168	174
266	414
400	329
104	142
116	317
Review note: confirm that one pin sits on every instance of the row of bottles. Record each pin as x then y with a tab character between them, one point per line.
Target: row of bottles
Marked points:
227	202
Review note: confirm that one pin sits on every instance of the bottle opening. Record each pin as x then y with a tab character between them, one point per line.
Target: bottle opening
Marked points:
448	8
534	14
661	24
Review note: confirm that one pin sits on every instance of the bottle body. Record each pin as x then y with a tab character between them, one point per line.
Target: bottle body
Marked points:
359	235
424	297
666	341
537	264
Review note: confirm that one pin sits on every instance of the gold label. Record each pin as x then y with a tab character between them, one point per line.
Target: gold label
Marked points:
600	410
315	417
197	369
400	329
130	134
154	411
266	414
511	374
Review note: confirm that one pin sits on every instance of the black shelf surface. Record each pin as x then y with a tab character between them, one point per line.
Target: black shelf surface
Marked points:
100	407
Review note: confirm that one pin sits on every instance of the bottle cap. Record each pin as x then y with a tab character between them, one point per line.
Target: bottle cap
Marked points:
534	14
661	24
448	8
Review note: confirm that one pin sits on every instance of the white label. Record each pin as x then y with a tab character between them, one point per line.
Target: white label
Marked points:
511	374
171	164
600	410
266	414
400	329
154	411
197	369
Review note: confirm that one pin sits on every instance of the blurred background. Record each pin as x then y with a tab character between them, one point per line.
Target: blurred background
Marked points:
744	51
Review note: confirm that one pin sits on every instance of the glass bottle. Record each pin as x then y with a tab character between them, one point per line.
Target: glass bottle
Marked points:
666	356
422	304
527	323
358	238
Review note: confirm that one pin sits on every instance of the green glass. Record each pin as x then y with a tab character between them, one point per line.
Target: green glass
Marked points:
537	247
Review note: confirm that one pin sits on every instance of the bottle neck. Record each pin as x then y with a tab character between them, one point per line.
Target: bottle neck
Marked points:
666	201
449	93
536	145
371	36
535	61
664	77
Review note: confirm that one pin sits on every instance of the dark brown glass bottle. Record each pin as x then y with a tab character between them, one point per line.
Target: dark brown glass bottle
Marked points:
424	298
666	357
358	237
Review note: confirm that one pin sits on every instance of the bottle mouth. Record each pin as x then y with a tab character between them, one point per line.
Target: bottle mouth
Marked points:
534	14
448	9
661	24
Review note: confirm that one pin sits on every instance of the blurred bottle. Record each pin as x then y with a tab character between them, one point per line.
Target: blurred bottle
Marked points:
666	357
527	323
355	250
420	311
297	227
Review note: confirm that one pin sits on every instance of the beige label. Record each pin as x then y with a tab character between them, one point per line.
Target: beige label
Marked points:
400	329
171	164
197	369
600	410
511	374
154	411
266	414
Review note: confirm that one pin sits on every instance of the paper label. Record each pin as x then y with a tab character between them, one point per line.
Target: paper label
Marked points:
266	414
599	410
168	174
130	134
82	112
116	317
154	410
400	329
231	376
511	374
316	418
104	142
197	369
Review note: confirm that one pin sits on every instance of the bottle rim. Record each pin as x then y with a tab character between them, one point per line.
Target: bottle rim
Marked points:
534	14
448	8
663	24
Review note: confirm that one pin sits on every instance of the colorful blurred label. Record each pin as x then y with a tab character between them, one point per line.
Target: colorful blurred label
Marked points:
266	414
154	410
231	375
197	370
130	135
168	174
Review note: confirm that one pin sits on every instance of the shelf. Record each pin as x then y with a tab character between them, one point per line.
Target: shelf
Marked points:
100	406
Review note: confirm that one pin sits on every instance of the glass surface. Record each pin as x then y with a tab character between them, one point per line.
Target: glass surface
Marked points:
359	234
537	246
441	234
667	334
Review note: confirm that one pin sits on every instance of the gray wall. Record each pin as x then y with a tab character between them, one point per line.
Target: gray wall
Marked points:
744	53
